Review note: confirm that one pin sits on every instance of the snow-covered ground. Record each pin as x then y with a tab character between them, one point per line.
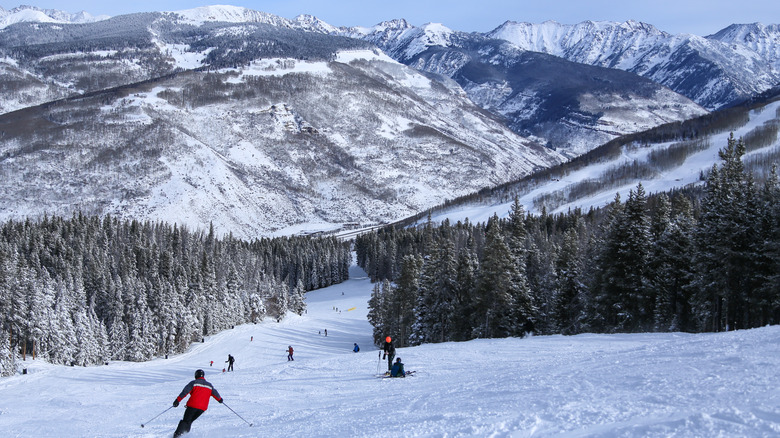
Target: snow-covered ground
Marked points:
682	385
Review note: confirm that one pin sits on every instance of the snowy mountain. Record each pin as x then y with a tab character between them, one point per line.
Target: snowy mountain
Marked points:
715	71
569	106
591	113
593	180
651	385
24	14
274	147
760	38
178	116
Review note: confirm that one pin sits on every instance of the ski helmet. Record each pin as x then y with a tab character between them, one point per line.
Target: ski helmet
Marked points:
199	374
398	360
388	339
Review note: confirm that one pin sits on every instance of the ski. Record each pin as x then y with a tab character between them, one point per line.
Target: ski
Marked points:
388	376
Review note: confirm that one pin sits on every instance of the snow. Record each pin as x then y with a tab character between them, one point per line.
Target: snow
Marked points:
31	14
347	56
280	67
661	384
204	14
685	175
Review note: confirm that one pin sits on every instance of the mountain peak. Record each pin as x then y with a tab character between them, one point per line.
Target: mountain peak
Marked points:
312	23
229	14
32	14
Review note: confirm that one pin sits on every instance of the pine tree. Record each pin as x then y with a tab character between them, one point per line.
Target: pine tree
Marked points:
672	267
465	287
625	300
767	303
435	302
570	290
495	313
404	298
722	240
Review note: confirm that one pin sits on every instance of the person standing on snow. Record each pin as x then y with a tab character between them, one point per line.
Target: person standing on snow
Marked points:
389	350
398	369
289	353
230	362
200	392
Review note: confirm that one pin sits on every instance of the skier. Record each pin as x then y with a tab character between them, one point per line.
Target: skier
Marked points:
389	350
356	349
289	353
230	362
398	369
200	392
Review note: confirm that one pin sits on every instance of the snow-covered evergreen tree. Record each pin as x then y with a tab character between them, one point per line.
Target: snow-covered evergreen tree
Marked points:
570	290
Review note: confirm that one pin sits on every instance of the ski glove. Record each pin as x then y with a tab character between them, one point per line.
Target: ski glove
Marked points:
175	403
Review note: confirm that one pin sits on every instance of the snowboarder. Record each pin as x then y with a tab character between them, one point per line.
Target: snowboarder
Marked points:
398	369
289	353
200	392
389	350
356	349
230	362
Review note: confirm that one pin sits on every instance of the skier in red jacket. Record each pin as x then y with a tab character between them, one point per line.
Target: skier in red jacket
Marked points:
200	392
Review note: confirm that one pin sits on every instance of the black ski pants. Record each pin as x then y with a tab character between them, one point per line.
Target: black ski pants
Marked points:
190	415
390	357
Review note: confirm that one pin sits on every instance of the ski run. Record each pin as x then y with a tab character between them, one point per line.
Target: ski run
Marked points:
623	385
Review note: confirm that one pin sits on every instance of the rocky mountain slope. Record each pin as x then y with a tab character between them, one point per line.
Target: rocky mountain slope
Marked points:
263	125
714	71
276	146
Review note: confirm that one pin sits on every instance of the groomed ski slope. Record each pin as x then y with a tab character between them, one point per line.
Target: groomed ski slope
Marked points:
683	385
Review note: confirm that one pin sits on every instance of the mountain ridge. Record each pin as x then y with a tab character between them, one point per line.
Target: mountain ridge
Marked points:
263	125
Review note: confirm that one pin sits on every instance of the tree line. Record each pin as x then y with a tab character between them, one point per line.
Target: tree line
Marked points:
669	262
87	290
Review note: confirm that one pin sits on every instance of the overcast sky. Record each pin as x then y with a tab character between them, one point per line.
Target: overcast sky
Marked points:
698	17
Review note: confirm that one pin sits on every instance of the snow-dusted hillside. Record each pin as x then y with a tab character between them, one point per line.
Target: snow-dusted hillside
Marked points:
275	147
156	44
650	385
215	114
557	192
570	106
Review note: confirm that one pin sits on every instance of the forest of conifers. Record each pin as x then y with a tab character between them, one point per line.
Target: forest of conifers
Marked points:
676	262
87	290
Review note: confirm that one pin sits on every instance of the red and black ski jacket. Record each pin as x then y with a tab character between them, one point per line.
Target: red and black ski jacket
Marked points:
200	392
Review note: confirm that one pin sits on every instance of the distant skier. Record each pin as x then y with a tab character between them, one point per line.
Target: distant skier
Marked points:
356	349
289	353
326	332
200	392
398	369
389	350
230	362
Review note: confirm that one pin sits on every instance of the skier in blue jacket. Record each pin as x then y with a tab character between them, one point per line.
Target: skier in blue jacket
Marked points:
398	369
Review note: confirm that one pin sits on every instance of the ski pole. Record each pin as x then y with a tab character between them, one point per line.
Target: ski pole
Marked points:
378	361
143	424
231	410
